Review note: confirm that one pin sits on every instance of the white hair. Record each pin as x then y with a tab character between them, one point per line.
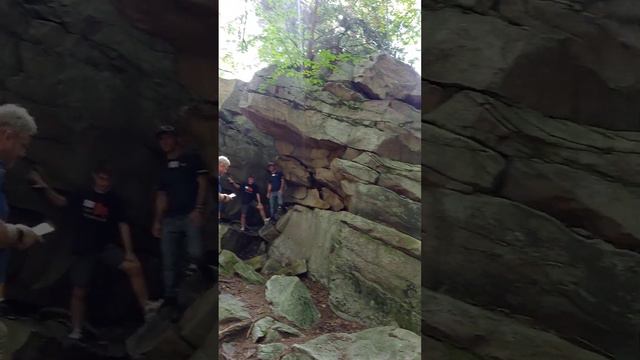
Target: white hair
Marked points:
224	160
17	118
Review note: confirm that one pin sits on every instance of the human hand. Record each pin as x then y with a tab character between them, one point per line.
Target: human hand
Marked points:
196	217
156	229
28	237
130	256
36	179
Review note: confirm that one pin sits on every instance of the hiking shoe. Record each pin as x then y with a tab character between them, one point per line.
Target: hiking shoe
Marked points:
151	309
76	334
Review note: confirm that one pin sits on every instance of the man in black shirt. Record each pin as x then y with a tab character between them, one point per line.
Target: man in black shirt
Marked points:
100	221
249	197
180	201
275	189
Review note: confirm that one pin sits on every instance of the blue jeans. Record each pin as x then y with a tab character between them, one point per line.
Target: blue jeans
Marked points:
181	241
275	200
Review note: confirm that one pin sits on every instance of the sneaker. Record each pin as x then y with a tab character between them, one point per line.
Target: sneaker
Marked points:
267	220
76	334
151	309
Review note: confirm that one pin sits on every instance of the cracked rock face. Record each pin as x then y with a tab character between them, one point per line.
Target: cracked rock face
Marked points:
99	79
574	60
354	153
98	87
531	182
350	154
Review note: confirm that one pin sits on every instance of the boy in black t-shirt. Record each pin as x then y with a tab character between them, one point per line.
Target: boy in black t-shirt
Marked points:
249	197
100	221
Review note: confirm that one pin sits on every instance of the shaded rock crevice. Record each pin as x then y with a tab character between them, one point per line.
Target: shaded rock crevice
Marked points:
553	33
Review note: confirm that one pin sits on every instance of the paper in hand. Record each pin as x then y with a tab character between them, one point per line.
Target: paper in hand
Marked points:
232	195
43	229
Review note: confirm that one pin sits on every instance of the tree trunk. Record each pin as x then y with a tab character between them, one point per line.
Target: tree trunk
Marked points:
312	40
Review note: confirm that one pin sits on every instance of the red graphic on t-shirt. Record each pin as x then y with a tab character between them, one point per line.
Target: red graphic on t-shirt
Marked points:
101	210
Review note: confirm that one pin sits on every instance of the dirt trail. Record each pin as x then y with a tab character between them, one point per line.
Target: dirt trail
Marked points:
258	307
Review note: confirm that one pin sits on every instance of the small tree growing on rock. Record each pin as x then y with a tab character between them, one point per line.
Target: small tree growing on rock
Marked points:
304	39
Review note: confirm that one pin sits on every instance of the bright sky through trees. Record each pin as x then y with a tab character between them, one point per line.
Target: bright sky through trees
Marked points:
234	64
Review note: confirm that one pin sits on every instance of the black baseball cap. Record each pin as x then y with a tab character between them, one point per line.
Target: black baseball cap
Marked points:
166	129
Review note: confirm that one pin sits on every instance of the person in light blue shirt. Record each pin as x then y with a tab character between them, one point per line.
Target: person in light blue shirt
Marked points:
223	167
16	129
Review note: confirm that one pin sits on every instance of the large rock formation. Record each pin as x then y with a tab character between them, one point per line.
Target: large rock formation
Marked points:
376	343
99	77
531	189
574	60
372	271
248	149
350	153
98	88
358	155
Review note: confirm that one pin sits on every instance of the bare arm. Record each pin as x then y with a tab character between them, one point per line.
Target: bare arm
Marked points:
234	183
125	234
53	197
202	192
8	235
17	236
161	205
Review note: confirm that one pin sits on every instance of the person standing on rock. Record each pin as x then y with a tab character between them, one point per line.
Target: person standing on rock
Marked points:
16	129
275	189
100	222
223	167
249	198
179	211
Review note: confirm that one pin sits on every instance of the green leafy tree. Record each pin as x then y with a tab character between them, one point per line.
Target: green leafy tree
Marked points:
306	38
